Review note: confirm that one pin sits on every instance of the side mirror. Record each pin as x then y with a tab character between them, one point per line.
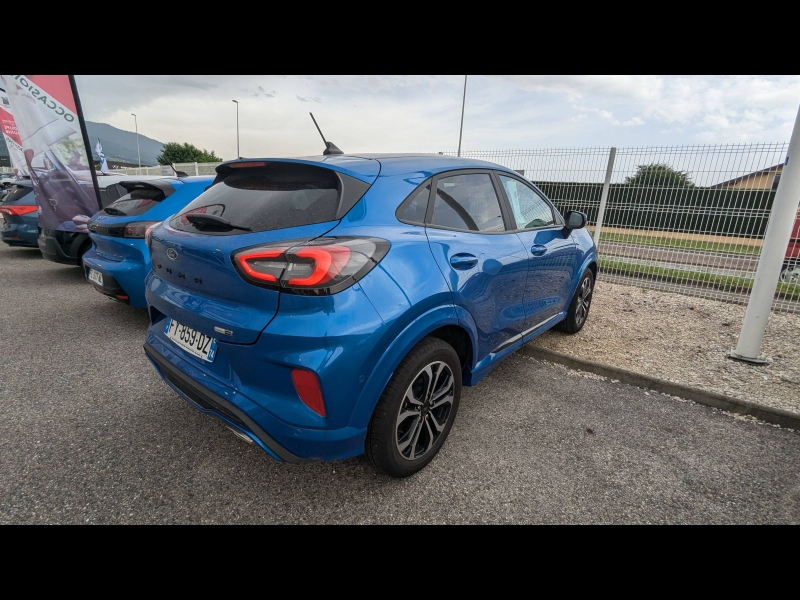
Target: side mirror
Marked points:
576	220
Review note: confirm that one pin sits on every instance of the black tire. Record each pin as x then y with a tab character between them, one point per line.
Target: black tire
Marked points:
578	311
85	247
391	445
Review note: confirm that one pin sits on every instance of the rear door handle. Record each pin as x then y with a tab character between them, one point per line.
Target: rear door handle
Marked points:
538	250
463	261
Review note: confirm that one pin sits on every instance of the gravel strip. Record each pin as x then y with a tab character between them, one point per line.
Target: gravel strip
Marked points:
684	339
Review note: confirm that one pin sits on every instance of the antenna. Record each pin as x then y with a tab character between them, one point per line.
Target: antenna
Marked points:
330	147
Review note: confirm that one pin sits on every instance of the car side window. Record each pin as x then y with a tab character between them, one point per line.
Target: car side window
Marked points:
529	209
414	208
467	202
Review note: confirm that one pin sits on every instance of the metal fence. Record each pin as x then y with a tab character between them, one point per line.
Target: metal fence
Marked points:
188	168
687	219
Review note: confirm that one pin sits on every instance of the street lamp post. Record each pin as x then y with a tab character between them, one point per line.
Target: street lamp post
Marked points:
138	154
237	129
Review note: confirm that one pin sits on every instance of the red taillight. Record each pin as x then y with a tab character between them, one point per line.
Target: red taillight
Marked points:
328	262
148	232
307	386
18	211
139	229
259	266
315	267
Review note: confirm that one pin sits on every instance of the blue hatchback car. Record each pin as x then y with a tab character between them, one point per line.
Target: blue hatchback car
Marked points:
118	261
331	306
20	219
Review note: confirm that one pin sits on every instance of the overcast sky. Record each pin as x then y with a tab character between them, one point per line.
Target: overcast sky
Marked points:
422	113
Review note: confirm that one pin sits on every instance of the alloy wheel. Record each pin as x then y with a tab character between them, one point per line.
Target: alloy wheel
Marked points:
425	410
584	301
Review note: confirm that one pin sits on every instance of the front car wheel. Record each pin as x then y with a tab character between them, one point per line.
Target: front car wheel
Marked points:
578	310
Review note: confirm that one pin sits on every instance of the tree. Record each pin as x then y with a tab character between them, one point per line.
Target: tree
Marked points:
174	152
659	175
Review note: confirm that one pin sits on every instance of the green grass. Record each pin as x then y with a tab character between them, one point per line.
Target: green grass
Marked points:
678	244
725	283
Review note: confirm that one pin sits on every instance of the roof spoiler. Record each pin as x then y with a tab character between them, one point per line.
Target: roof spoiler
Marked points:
118	190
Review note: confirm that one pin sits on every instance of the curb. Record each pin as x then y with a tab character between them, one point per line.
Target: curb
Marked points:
777	416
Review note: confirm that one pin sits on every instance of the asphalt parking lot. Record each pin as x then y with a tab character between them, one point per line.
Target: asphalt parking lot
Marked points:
90	434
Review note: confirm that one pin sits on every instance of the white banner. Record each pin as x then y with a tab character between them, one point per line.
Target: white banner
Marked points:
44	109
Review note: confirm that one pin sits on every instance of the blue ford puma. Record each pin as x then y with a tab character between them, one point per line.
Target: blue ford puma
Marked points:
330	306
118	261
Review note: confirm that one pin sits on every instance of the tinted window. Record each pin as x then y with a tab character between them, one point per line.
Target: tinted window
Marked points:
135	203
414	209
21	194
467	202
277	196
528	207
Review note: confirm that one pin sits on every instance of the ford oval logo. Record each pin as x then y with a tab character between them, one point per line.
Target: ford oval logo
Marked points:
172	254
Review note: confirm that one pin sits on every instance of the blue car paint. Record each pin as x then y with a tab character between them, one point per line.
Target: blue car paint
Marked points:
21	230
127	260
355	339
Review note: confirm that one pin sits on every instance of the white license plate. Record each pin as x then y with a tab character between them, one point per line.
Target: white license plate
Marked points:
96	276
194	342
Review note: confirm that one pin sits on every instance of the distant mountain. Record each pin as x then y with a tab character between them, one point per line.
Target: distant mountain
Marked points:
118	145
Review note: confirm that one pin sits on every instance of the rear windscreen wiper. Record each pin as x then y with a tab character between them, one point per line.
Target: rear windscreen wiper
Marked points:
213	221
115	211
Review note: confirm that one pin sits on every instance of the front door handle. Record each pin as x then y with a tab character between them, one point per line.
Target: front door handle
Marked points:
538	250
463	261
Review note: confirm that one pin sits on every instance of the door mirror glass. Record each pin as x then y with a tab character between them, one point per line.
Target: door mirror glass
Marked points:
576	220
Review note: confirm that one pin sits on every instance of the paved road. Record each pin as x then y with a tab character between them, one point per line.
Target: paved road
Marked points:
91	435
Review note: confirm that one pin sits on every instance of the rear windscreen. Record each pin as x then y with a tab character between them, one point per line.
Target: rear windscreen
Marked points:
21	195
276	196
135	203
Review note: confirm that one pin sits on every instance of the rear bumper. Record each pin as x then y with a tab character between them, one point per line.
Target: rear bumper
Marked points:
54	252
120	278
20	234
208	402
281	440
110	287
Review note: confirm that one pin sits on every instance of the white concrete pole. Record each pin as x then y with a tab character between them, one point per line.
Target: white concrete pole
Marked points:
776	239
463	103
604	197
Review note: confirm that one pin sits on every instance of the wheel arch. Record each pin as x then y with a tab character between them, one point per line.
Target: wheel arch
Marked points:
441	323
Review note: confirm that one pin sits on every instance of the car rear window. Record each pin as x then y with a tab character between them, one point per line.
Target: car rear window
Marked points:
21	195
134	203
276	196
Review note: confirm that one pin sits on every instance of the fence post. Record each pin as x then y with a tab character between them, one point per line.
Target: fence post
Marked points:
196	172
776	240
604	196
